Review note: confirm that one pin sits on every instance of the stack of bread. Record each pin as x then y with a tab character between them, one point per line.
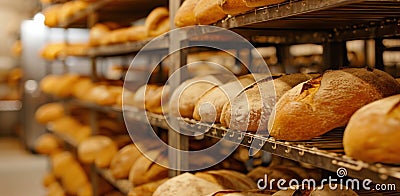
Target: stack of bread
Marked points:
53	51
204	12
156	23
83	88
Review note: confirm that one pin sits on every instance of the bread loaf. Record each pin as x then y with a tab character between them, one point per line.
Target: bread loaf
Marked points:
372	134
48	179
74	178
122	162
228	179
144	170
259	3
136	33
250	109
234	7
55	189
157	22
186	95
60	163
209	106
49	112
97	149
208	12
146	189
150	96
341	190
48	144
185	14
186	184
50	14
317	106
81	88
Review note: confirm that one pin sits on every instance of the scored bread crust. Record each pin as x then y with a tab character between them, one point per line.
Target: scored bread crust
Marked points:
208	12
185	14
234	7
250	109
317	106
372	134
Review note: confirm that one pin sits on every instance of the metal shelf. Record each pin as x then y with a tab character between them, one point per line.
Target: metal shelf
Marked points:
10	105
122	11
340	19
123	185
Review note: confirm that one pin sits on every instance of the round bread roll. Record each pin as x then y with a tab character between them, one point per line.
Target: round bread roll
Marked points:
65	125
373	132
48	144
157	22
150	96
97	149
209	106
97	34
49	112
122	162
208	12
185	14
50	13
81	88
48	82
74	178
186	184
259	3
63	86
234	7
250	109
81	133
273	173
144	170
52	51
317	106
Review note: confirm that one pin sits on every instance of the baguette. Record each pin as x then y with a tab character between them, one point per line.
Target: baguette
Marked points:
234	7
208	12
122	162
372	134
185	14
157	22
317	106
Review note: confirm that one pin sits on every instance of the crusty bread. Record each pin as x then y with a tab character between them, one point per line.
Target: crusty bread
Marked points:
122	162
251	108
234	7
136	33
185	14
186	95
259	3
228	179
317	106
372	134
48	144
186	184
144	170
157	22
209	106
50	14
60	163
49	112
341	190
150	97
97	149
146	189
208	12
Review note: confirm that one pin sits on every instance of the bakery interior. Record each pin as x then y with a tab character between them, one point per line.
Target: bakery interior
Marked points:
107	97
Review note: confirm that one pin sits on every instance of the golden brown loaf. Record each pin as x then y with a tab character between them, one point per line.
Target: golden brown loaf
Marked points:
144	170
98	33
259	3
97	149
185	14
48	144
186	95
157	22
136	33
146	189
209	106
50	13
70	8
228	179
250	109
234	7
55	189
372	134
208	12
317	106
122	162
186	184
49	112
150	97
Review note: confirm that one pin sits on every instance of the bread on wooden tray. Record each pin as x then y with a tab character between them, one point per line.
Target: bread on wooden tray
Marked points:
260	3
319	105
372	134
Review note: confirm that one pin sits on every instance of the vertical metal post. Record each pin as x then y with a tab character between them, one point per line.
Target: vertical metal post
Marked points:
335	55
283	55
379	49
176	140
